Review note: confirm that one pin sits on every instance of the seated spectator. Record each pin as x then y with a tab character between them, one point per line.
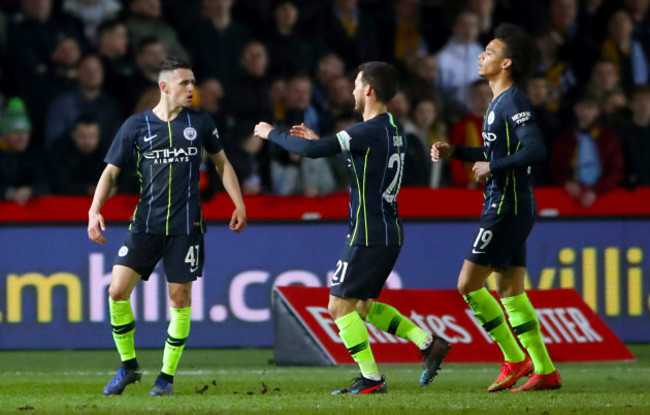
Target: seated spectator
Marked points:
216	42
79	159
625	51
587	160
636	140
457	62
339	101
88	98
604	79
144	19
467	132
22	167
329	66
92	13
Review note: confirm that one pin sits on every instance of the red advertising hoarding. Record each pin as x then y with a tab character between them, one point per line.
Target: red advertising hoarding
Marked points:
571	330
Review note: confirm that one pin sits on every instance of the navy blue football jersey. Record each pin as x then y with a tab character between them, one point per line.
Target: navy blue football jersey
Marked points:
374	151
511	142
168	156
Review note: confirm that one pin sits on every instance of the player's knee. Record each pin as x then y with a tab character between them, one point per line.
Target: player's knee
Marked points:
463	288
117	293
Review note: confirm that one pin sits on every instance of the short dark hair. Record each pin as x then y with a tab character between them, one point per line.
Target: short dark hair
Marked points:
519	49
108	26
382	77
145	42
169	64
86	119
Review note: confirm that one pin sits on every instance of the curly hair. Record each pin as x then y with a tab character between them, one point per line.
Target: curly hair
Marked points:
520	49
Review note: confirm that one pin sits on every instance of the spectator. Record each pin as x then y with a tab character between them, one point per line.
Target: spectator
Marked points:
340	101
289	53
22	168
92	13
348	31
429	128
604	79
144	20
559	73
587	160
615	108
636	140
625	52
149	55
457	62
329	66
639	11
211	93
290	173
402	32
421	81
60	77
549	123
32	39
217	41
79	159
467	132
113	49
88	98
247	97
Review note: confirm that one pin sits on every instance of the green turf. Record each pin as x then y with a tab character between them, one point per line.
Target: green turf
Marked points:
243	381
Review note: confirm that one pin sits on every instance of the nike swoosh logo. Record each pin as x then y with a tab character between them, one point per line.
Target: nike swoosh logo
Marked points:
474	251
193	269
146	139
335	283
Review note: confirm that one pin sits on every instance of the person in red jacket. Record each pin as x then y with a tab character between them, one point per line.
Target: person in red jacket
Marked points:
588	159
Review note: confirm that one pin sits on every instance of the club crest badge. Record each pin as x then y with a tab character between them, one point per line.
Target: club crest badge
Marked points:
490	117
189	133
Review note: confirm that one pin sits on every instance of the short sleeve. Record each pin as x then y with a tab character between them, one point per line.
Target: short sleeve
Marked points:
121	150
211	142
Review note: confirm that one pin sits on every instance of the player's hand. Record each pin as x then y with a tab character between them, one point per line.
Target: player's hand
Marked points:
481	170
303	132
95	222
238	220
441	150
262	129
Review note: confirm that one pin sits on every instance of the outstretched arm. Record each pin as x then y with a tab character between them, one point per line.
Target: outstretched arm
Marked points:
103	190
310	146
230	182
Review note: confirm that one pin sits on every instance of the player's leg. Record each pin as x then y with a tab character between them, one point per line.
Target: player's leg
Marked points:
180	300
352	282
471	284
123	280
524	321
183	262
387	318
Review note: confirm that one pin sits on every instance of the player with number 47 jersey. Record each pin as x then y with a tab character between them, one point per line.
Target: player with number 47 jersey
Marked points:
374	151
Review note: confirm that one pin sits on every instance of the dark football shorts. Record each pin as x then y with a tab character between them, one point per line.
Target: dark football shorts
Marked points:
362	271
182	255
501	241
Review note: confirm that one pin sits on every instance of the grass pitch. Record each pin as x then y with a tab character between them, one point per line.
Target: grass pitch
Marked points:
243	381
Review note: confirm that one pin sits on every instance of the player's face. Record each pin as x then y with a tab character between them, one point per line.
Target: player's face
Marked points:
492	60
359	94
180	87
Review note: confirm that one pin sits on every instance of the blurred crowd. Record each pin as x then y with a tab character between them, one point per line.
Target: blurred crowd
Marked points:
72	71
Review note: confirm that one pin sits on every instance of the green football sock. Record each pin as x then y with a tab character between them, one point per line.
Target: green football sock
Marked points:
123	325
490	315
388	319
179	329
525	324
354	334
